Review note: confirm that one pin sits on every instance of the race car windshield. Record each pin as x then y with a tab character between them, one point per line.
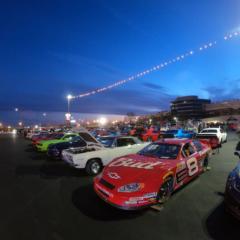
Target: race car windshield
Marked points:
58	136
162	150
106	141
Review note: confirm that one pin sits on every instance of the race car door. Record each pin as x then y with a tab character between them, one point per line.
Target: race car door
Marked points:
191	159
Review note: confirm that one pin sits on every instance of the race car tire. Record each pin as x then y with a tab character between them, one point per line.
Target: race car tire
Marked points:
165	190
94	166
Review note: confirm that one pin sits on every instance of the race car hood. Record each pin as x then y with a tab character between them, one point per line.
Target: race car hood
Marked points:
135	168
52	141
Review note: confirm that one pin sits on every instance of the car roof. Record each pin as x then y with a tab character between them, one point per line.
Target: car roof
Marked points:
178	141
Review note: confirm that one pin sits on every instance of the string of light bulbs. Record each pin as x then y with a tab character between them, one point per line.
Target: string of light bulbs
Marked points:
157	67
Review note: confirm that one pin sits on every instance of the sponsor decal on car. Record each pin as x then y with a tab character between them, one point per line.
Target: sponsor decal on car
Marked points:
113	175
128	162
145	197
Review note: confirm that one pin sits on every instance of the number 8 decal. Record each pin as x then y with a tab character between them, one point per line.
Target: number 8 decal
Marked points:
192	166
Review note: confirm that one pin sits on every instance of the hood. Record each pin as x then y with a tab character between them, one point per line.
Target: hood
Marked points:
51	141
135	168
60	145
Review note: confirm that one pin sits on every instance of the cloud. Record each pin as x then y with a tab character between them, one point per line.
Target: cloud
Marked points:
121	17
121	101
152	86
230	91
89	63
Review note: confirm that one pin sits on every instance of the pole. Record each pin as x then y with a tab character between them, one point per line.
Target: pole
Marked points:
68	105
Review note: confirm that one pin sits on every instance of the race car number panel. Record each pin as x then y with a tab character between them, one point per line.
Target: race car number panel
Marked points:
192	166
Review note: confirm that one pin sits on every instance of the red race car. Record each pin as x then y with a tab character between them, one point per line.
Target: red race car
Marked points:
139	180
151	135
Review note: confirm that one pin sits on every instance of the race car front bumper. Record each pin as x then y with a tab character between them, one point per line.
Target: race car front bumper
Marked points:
123	202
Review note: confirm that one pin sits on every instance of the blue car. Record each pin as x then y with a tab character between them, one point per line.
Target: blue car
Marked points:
232	193
179	133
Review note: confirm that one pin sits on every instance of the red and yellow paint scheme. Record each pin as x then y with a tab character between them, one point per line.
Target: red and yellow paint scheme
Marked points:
139	180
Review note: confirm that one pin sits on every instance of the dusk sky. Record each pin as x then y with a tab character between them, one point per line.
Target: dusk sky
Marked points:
49	49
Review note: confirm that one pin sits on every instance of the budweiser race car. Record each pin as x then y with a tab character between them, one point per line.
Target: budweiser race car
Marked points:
149	177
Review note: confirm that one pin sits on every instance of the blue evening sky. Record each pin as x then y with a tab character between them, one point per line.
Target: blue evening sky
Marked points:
49	49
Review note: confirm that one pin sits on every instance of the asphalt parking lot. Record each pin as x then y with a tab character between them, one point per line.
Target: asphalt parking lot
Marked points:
42	199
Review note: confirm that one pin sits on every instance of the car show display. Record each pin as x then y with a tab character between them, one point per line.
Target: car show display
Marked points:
133	174
94	159
150	176
43	145
219	132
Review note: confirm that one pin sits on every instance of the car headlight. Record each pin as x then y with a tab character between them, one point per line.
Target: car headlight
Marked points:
131	187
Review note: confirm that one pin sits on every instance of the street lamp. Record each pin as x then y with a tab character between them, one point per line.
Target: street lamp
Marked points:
102	121
16	109
69	98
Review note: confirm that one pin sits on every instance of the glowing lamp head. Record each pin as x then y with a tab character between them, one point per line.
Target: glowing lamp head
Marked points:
68	116
69	97
102	120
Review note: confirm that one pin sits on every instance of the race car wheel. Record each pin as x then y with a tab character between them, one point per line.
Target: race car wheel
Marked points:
165	190
94	166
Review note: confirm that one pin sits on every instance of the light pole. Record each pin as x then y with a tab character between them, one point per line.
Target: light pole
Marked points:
44	118
17	114
69	98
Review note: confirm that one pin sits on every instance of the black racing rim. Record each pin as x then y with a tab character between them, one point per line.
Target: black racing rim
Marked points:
165	191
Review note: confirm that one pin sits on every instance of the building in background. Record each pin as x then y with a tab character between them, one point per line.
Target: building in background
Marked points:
230	107
189	107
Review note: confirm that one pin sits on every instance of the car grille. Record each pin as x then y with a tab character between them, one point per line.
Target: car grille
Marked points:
106	184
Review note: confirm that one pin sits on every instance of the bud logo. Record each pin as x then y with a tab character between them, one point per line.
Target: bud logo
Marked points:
127	162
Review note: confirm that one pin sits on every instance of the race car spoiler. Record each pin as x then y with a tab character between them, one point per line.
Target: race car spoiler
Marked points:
210	139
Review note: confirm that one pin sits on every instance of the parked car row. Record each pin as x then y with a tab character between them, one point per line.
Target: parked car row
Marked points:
132	174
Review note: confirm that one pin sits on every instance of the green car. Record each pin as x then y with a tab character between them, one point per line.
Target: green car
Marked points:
42	146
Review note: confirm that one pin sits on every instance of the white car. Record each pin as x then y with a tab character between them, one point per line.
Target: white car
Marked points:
221	134
93	161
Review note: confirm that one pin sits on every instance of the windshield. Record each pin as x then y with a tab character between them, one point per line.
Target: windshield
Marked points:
161	150
172	131
58	136
107	141
76	139
209	131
